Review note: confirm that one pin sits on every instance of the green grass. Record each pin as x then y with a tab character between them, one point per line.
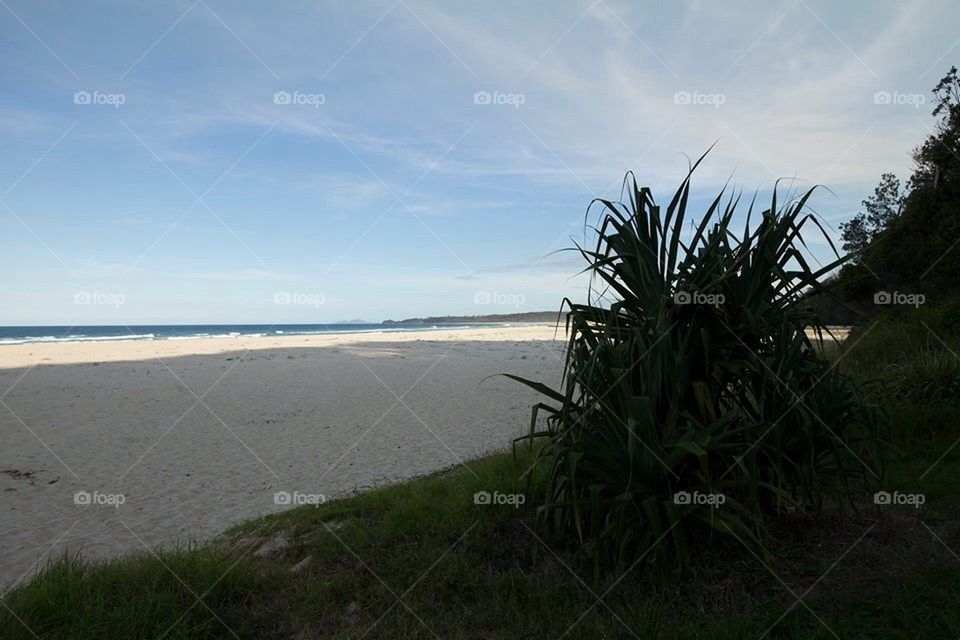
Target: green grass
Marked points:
140	596
469	571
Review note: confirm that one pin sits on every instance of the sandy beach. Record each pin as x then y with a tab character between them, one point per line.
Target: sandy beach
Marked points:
168	442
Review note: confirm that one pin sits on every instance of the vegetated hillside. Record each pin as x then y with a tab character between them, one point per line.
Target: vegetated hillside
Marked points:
906	238
526	316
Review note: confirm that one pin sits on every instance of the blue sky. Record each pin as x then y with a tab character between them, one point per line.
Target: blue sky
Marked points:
153	163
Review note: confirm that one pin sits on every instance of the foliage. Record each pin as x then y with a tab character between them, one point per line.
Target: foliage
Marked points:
880	211
689	370
907	241
911	357
936	159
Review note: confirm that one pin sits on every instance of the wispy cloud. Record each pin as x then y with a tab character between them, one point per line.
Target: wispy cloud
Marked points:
575	96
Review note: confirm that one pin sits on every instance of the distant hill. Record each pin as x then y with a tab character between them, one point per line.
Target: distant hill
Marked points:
528	316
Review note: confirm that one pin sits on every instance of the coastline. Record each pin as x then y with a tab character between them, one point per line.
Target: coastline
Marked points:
30	354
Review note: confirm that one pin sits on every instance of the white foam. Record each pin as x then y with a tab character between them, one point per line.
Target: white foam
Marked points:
76	338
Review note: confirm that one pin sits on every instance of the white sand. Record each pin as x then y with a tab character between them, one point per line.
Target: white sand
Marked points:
313	414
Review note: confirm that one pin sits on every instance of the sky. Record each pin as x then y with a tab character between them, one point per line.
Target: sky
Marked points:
218	161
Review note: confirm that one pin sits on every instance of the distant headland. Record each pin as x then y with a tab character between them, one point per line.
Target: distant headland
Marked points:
526	316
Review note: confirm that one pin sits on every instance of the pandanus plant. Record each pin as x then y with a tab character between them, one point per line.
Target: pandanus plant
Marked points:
693	399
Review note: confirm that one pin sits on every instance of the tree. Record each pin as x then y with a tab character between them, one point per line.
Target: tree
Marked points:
880	211
938	157
855	235
885	205
907	239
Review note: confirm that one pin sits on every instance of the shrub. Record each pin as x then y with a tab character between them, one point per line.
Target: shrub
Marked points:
909	357
689	372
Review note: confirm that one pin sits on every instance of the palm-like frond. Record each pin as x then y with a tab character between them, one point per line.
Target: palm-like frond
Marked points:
664	394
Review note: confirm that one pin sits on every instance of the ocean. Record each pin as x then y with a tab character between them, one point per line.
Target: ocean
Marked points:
21	335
